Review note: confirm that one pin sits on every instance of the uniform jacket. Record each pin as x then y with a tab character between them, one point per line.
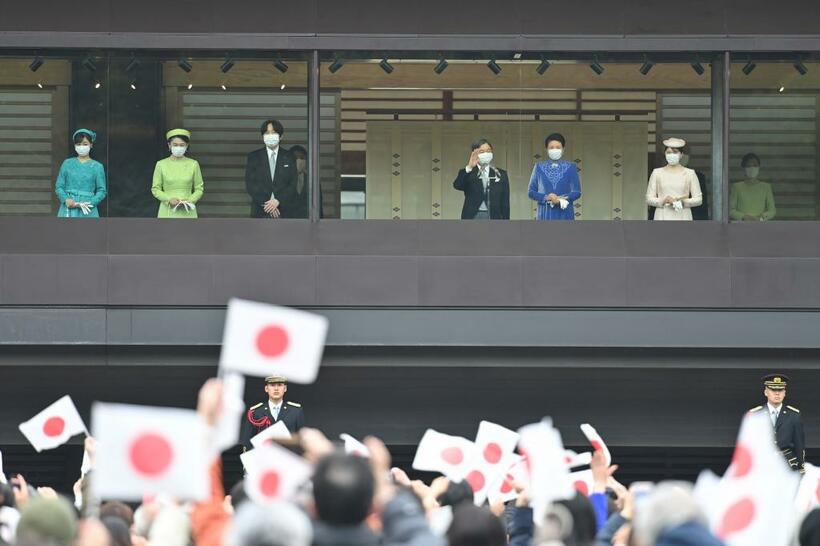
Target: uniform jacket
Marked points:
258	418
788	431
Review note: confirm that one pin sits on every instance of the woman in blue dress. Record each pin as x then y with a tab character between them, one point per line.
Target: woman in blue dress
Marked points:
81	183
554	183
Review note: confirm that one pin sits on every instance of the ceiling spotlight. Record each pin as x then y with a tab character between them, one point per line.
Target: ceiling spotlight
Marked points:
336	65
133	64
97	84
227	65
542	67
494	67
89	64
223	87
596	66
800	67
282	87
697	67
184	64
386	66
40	85
750	66
280	65
782	88
133	84
190	86
441	66
646	66
36	64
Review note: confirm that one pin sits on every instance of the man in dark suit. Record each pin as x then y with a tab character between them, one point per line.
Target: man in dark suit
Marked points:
486	188
788	428
300	201
272	410
270	176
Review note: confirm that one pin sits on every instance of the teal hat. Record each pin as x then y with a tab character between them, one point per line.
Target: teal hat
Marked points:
91	134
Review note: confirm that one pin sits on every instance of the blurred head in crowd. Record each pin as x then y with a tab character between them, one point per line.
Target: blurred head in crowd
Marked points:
118	529
583	521
809	534
93	533
456	494
343	488
474	526
117	509
277	524
47	521
667	507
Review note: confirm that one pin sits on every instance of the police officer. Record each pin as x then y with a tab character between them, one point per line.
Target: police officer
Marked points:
788	429
275	408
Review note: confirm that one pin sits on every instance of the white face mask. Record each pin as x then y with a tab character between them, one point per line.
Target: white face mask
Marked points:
673	159
752	172
484	158
555	153
271	140
178	151
82	149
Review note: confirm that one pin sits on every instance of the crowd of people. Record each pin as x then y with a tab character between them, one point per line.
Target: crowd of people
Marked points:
356	500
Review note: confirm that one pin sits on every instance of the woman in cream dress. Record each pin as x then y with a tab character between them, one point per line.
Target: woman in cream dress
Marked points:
673	190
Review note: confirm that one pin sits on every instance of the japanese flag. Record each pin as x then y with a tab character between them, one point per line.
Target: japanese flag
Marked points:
263	340
492	457
503	488
596	442
577	459
226	430
443	453
354	446
148	450
808	495
748	505
277	431
273	473
53	426
543	452
582	481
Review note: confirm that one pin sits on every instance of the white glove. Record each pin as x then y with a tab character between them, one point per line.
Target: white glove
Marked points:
678	205
86	207
564	203
186	204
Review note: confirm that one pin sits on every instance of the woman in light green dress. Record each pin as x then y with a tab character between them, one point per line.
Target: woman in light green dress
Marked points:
178	181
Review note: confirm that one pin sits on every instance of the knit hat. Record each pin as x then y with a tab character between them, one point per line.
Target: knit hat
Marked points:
48	519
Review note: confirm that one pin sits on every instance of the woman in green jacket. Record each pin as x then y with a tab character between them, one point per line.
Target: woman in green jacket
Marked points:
178	181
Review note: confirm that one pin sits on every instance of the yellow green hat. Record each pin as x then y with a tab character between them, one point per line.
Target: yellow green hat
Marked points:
177	132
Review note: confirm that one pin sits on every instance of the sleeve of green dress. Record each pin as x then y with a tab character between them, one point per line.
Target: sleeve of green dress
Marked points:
99	185
199	184
769	209
156	187
59	187
734	213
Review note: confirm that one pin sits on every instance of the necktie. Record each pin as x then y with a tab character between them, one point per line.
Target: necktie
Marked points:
275	413
272	165
485	179
774	417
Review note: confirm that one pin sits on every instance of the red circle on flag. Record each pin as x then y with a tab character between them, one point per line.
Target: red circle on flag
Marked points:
272	341
737	517
581	487
476	480
54	426
596	445
741	462
507	484
269	483
151	454
452	455
492	453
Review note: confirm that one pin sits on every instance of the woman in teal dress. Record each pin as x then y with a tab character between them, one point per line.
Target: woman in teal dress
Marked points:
80	185
178	181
